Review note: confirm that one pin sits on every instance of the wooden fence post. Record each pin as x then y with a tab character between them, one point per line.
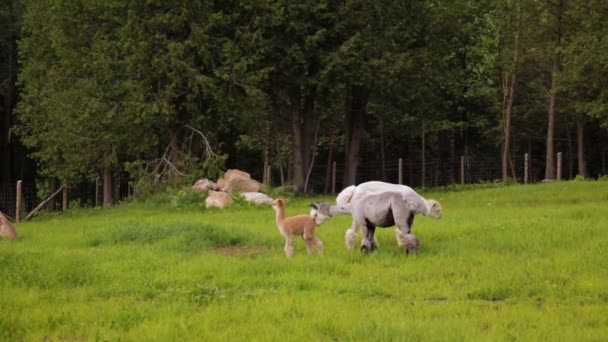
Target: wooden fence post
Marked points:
400	170
64	200
18	203
526	168
559	166
333	178
462	170
97	191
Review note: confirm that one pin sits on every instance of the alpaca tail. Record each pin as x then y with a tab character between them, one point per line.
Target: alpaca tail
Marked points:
345	195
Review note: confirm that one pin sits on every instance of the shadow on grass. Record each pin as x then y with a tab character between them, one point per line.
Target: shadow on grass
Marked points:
178	237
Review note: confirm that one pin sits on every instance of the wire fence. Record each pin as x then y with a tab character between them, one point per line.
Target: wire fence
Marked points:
8	197
437	172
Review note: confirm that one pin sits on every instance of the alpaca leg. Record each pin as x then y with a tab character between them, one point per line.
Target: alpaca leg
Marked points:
351	236
289	246
319	246
309	239
404	218
310	246
410	222
368	244
400	237
407	241
401	240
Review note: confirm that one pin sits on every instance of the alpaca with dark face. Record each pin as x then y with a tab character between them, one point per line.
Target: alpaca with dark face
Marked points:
385	209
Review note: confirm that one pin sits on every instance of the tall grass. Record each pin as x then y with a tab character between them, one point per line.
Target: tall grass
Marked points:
504	263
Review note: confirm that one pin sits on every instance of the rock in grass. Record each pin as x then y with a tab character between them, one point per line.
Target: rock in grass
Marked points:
7	230
238	181
203	185
257	197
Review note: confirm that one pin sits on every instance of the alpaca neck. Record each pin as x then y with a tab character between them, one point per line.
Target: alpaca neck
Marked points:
341	209
280	214
427	208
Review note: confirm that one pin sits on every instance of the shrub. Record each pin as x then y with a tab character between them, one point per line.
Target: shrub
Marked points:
579	178
188	197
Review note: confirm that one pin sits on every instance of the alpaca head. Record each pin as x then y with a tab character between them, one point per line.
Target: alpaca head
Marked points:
433	209
278	203
320	212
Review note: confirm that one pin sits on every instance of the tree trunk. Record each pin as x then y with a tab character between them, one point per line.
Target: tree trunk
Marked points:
550	162
423	158
530	173
330	157
452	157
300	128
311	162
355	114
280	162
107	186
410	169
570	166
176	135
510	89
5	143
267	145
382	156
580	142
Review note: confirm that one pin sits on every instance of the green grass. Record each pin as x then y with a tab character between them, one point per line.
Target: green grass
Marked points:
506	263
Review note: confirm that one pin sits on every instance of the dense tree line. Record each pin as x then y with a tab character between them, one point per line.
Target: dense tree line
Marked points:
168	89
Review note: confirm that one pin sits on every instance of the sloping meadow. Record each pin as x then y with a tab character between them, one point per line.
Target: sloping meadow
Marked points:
504	263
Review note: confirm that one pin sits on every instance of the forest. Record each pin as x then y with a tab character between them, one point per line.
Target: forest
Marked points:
153	92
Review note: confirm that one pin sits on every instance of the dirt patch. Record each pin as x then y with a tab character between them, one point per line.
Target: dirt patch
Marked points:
436	299
240	250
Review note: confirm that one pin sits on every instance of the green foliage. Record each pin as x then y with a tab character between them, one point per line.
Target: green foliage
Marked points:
112	83
286	191
189	197
579	178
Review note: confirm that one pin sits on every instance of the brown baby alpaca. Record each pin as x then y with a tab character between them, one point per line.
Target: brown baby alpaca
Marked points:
299	225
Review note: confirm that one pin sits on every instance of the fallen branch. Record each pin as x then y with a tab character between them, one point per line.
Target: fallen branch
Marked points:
45	202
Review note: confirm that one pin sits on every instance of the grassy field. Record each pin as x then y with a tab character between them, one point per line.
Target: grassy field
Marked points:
504	263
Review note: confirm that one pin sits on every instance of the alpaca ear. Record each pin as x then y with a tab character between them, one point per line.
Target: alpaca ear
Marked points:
314	205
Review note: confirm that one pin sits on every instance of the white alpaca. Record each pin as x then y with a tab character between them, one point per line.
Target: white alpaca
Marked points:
384	210
352	194
300	225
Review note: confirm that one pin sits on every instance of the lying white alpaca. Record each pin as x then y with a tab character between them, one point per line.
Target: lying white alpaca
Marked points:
353	193
384	209
300	225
